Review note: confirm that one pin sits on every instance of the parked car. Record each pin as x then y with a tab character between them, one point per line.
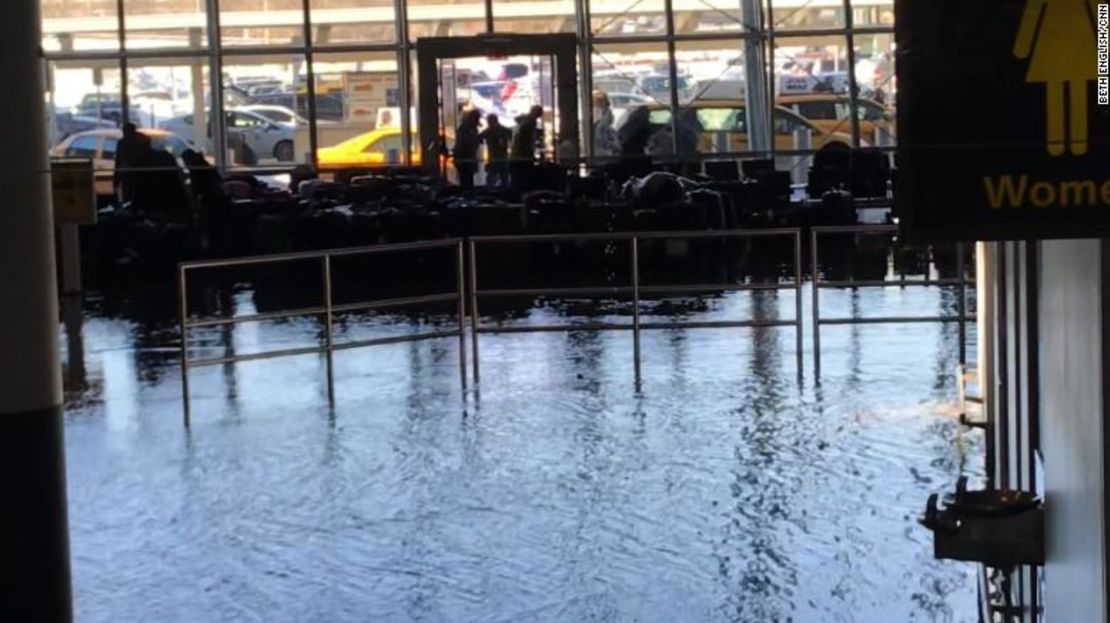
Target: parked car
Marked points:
658	87
264	137
105	106
329	106
66	124
717	126
278	114
832	113
100	147
375	148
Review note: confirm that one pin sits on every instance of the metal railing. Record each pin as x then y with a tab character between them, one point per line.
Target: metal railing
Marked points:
327	309
635	288
961	283
467	285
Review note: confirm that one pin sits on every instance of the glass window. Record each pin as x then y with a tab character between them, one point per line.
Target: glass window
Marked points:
628	18
878	88
711	70
108	150
83	147
873	12
356	93
145	24
819	109
786	15
711	16
349	22
806	65
723	119
624	73
529	16
385	145
786	123
81	98
69	26
170	95
269	80
428	18
870	111
261	22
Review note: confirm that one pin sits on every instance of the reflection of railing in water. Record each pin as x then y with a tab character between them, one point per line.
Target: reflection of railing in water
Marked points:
635	288
328	309
960	282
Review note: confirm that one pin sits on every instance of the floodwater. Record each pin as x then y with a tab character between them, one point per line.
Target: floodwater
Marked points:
726	490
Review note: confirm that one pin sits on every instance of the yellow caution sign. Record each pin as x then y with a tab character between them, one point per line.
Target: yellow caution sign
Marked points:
74	191
1058	38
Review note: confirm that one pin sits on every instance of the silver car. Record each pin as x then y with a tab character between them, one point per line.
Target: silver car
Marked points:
268	140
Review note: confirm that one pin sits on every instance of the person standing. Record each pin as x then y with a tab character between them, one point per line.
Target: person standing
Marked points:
465	151
606	144
497	138
523	153
131	145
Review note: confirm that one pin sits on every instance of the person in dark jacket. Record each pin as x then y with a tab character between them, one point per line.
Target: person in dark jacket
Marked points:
497	139
130	148
525	138
465	152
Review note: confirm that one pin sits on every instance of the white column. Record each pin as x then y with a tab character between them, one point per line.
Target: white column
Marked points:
33	530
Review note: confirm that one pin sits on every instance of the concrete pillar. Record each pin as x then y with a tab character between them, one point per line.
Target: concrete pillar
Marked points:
33	529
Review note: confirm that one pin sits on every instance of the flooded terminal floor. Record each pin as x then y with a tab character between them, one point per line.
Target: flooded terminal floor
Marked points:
724	491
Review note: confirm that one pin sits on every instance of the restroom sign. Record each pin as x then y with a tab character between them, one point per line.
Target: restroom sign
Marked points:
1002	134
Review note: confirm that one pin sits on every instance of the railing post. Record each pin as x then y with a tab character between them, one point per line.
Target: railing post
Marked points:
328	329
636	309
474	319
183	319
799	324
961	303
460	286
816	311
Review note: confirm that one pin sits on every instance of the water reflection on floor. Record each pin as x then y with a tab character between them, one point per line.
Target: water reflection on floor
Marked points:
726	491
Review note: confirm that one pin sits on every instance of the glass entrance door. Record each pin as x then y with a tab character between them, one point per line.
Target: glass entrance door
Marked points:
503	77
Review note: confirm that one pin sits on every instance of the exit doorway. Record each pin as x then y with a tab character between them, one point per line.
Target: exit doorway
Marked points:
500	74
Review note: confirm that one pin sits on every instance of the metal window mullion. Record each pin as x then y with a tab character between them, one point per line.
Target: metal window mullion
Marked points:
586	77
767	27
271	50
355	48
404	78
853	87
310	90
489	16
759	98
216	85
672	73
124	98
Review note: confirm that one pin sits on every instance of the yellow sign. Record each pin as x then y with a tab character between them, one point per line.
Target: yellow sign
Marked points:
1063	58
74	192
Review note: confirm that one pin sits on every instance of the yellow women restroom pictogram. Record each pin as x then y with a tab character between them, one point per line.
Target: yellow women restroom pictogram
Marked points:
1064	59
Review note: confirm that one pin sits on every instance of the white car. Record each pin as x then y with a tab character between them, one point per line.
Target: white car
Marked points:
282	115
267	139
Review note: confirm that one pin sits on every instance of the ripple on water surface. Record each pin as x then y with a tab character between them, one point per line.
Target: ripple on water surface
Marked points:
725	491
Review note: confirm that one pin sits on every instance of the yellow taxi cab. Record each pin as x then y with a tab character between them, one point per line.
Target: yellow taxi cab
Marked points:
722	126
832	113
376	148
